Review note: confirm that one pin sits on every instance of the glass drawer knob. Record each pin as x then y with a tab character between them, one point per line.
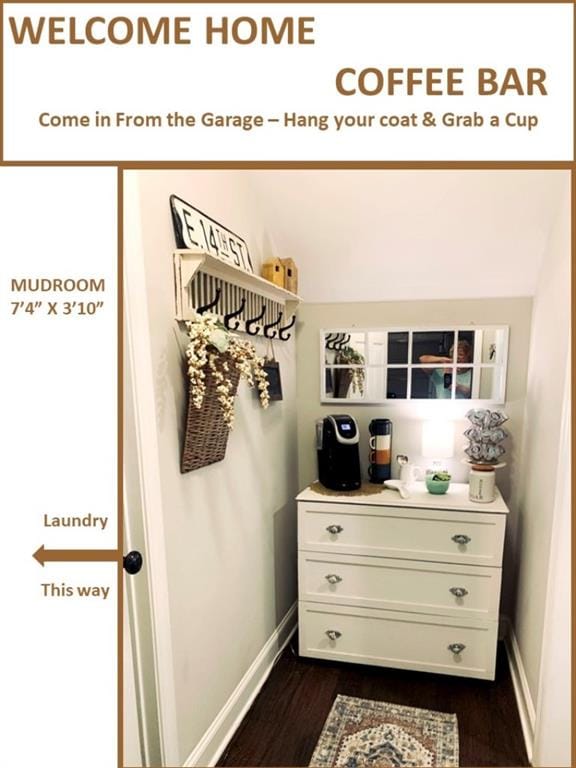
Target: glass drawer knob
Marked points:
461	538
334	529
333	578
333	634
458	591
456	648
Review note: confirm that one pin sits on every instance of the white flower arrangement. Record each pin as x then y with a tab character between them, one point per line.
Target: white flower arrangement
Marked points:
213	347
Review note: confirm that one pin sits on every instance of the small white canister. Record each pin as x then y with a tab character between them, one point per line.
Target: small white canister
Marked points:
482	486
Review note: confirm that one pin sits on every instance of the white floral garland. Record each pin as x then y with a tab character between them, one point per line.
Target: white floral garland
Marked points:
209	340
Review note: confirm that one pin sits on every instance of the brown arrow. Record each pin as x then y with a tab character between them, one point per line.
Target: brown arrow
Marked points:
75	555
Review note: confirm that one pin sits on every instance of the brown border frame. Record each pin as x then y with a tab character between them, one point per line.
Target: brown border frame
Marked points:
287	165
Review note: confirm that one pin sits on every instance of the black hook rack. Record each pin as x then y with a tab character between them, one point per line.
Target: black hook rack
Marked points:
328	340
336	340
241	301
343	341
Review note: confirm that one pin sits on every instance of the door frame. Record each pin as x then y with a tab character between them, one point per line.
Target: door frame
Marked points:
131	742
143	511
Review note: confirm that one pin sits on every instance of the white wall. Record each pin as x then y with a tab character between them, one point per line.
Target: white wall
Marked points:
387	235
553	721
549	349
230	527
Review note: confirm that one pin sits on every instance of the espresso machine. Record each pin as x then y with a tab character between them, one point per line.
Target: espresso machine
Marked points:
337	439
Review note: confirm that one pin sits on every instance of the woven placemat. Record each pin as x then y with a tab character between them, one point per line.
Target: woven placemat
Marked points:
366	489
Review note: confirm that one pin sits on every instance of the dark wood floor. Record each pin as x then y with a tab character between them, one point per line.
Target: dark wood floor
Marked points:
285	721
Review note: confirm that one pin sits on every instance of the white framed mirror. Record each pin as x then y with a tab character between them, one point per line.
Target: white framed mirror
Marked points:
384	365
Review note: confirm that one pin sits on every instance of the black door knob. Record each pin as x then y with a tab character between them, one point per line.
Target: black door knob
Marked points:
133	562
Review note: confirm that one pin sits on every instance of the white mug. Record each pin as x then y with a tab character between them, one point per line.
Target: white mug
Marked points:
380	442
409	473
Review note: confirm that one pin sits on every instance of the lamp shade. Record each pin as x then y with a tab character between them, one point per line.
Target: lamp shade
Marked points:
438	439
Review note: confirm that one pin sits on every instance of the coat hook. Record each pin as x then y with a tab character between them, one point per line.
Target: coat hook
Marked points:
271	325
329	340
285	328
250	323
336	341
212	304
230	315
343	339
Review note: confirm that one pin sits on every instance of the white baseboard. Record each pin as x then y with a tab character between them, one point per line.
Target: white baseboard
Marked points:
218	735
521	689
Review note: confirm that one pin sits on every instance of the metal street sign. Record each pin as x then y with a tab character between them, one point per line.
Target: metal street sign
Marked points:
194	229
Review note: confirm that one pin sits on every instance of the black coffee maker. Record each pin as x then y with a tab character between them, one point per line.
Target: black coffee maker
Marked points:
337	439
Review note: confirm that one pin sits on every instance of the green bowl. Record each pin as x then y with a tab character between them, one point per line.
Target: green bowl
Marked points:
437	486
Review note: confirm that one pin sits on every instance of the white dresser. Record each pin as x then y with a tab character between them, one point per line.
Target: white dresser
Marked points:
409	583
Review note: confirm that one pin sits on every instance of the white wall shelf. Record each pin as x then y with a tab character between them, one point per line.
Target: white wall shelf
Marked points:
200	277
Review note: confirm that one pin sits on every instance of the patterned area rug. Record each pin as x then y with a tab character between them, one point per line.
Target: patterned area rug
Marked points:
359	732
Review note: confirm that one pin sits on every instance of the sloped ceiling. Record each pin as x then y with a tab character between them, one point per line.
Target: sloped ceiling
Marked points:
400	235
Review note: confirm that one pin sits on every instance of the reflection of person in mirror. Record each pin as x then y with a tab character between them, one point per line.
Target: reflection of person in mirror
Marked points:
441	378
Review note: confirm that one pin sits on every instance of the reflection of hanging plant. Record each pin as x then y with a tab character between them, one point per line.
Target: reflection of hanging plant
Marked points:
212	346
350	356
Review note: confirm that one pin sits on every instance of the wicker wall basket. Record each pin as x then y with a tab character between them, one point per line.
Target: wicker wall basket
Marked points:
206	432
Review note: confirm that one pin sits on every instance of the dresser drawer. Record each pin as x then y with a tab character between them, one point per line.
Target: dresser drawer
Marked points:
402	640
415	534
401	585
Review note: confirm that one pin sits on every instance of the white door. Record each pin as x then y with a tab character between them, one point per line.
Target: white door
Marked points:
148	669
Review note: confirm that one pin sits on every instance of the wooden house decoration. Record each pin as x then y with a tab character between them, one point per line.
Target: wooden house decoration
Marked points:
273	271
290	275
